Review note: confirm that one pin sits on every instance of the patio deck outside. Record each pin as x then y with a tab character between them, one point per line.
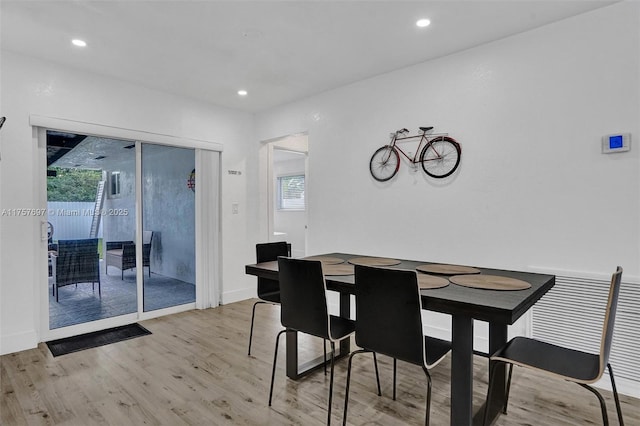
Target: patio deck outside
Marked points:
82	304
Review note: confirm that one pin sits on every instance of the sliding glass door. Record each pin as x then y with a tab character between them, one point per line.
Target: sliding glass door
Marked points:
129	229
168	224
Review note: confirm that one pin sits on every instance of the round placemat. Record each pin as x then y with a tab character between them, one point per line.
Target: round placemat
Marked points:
373	261
326	260
340	269
426	281
447	269
490	282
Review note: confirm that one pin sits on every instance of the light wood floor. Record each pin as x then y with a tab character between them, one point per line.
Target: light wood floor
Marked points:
194	369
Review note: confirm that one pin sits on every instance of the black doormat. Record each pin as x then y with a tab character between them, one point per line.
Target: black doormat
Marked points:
95	339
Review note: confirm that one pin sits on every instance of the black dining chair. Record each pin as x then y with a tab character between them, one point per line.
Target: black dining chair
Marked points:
389	322
268	290
572	365
304	309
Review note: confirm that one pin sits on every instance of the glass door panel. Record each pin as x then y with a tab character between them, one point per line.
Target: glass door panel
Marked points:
91	196
168	217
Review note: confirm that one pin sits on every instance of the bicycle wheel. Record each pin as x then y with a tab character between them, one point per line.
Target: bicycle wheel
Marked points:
384	163
440	157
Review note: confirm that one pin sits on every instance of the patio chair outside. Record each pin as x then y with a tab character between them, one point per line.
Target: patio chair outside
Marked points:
122	254
76	261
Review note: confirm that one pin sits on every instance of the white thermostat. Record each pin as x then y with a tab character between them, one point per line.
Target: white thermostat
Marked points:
618	142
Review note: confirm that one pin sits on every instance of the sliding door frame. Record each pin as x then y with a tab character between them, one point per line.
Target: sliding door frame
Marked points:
207	226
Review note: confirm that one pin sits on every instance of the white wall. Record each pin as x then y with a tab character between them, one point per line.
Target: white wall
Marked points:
30	86
533	190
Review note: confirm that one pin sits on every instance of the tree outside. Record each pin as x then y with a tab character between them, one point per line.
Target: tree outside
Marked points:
69	185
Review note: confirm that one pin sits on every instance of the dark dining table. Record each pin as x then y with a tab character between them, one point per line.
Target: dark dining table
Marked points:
499	308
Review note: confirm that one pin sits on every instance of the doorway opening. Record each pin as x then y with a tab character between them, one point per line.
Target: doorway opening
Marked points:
288	189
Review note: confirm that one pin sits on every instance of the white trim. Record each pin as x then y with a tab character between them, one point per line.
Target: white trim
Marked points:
207	230
139	230
581	274
271	196
88	327
18	342
95	129
625	386
42	258
166	311
238	295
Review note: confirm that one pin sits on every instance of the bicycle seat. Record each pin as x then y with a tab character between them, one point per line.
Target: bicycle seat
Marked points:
426	129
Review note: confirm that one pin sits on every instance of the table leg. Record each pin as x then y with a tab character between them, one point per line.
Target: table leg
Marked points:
296	371
462	371
497	339
345	312
292	354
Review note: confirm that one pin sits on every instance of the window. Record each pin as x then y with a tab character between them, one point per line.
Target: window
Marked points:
115	183
290	192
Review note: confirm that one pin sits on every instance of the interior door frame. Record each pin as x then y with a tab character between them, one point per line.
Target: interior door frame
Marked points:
298	142
208	238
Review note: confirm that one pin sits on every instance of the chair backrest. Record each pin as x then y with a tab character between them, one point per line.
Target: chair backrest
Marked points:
610	319
388	318
267	252
87	246
77	261
147	236
303	300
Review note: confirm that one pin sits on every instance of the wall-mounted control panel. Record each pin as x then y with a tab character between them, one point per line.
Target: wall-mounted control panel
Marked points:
619	142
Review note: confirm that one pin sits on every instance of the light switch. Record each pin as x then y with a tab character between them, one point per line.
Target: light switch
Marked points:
234	208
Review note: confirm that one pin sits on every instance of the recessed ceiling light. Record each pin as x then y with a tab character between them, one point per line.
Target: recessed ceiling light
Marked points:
242	92
78	42
423	23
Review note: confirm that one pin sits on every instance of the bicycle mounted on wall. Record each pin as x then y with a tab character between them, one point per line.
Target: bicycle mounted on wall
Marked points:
439	157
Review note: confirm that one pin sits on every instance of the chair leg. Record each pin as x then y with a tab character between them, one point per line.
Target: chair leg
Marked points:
333	349
273	372
506	396
395	368
615	395
324	354
603	406
375	364
426	417
253	314
346	390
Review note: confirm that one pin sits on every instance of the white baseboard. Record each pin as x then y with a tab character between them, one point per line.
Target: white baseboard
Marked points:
625	386
18	342
238	295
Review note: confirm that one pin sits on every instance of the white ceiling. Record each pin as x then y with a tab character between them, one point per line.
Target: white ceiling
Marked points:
277	51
